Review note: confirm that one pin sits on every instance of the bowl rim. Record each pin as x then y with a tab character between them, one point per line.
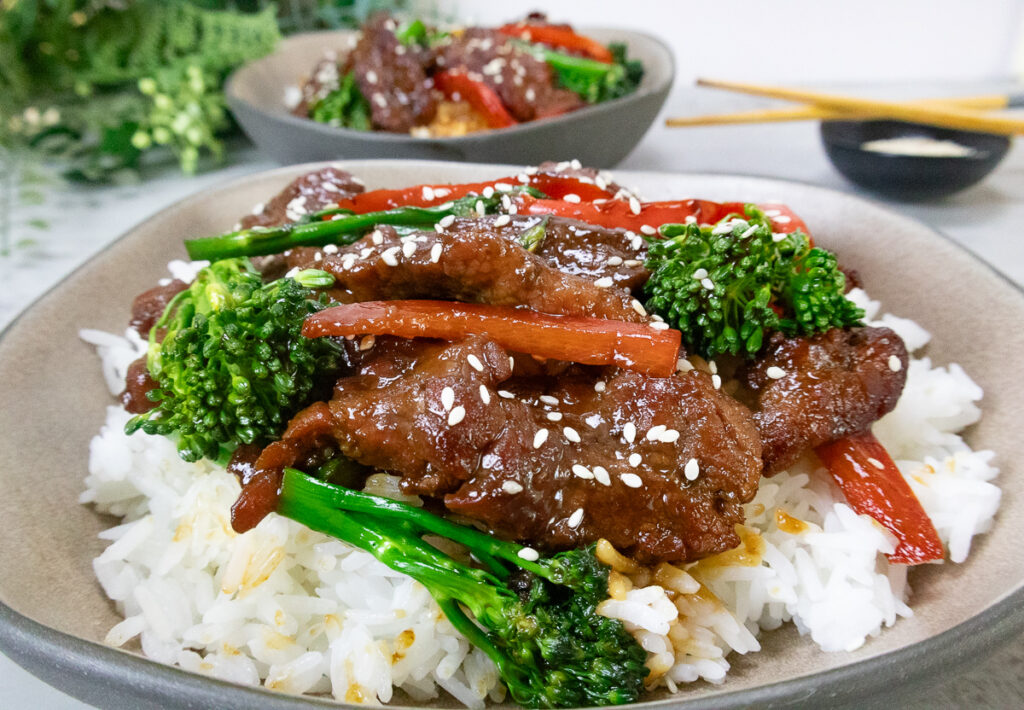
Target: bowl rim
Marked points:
386	137
36	647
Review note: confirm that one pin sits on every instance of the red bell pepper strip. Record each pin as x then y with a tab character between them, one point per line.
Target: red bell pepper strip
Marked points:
590	341
555	185
560	36
874	486
618	213
477	94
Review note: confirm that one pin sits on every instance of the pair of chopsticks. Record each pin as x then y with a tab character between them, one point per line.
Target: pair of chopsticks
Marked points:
964	113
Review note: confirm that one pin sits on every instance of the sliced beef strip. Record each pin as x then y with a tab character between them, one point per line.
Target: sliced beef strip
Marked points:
149	305
309	193
392	77
467	262
825	387
470	437
324	79
526	85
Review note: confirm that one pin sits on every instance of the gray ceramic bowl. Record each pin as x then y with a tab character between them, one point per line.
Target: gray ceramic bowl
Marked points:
600	135
53	615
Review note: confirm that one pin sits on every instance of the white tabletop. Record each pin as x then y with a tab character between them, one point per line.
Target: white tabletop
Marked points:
986	219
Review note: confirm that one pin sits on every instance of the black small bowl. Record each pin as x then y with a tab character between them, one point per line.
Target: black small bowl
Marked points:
909	177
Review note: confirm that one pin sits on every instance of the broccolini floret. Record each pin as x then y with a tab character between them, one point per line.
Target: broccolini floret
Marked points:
535	617
229	360
728	286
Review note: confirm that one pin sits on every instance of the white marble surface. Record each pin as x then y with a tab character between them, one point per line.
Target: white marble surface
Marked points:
986	219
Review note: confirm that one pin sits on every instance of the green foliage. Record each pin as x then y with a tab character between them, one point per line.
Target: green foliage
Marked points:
345	107
232	366
595	81
727	287
536	620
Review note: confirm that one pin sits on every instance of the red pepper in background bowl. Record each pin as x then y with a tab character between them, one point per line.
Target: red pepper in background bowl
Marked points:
558	36
477	94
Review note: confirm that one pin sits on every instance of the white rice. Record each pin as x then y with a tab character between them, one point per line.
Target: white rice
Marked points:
302	613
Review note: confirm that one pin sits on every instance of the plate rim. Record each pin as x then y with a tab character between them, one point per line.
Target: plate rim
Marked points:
389	138
48	652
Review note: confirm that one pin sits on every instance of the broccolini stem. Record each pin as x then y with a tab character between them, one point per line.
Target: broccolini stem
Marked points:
317	230
486	548
559	60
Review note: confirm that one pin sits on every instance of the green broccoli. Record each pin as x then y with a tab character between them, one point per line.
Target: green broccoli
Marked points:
232	367
728	286
535	617
594	81
345	107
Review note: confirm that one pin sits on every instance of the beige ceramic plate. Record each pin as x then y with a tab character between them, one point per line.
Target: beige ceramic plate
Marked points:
599	135
53	614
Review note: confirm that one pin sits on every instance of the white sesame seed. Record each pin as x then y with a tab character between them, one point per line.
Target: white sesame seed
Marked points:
782	220
505	394
701	273
367	342
656	325
506	203
631	479
648	229
440	192
390	256
581	471
365	252
690	219
529	554
539	438
522	177
479	207
601	476
456	415
614	261
502	220
575	164
331	249
876	463
435	253
775	372
637	242
378	98
571	197
713	367
554	416
502	187
571	434
631	263
376	237
428	193
447	398
548	399
691	470
772	213
634	205
635	459
485	395
629	432
708	284
438	228
409	248
716	381
447	221
670	436
639	307
655	431
575	519
604	282
600	386
656	318
474	362
488	192
895	364
750	230
684	365
511	487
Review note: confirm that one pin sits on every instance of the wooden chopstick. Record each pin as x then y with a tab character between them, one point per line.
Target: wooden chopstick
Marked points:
819	113
943	116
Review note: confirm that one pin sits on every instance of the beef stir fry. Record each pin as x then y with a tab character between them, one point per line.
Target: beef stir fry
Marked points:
543	356
410	78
